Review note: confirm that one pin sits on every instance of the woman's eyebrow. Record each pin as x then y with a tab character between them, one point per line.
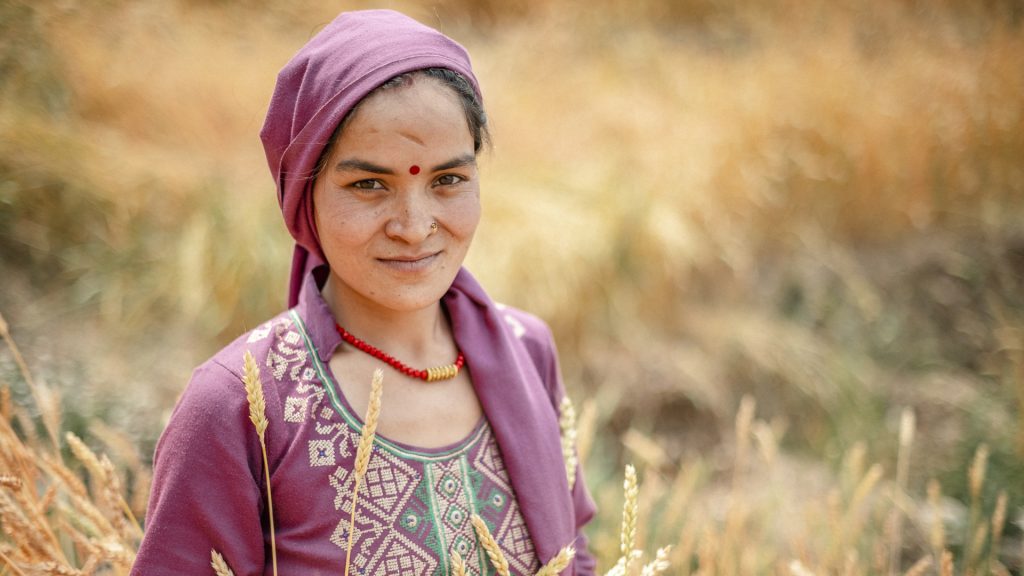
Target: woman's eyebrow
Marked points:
355	164
465	160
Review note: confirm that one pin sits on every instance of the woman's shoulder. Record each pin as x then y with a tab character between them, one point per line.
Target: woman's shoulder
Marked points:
525	326
269	344
536	339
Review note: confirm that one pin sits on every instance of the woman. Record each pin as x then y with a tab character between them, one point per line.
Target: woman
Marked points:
372	135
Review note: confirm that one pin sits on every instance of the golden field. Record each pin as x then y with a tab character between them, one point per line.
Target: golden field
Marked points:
767	236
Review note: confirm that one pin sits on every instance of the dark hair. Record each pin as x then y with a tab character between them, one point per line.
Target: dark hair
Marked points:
471	105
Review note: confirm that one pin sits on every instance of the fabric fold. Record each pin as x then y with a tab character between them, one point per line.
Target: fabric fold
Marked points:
521	414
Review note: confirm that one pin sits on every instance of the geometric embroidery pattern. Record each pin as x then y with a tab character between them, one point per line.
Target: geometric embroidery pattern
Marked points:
295	409
414	506
321	453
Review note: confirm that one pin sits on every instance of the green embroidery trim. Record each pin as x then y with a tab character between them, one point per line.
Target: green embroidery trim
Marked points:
428	472
331	387
471	502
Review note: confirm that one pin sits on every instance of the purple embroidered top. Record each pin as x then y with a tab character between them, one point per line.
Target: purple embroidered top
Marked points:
208	489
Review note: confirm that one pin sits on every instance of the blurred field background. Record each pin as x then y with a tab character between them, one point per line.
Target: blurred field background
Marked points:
817	206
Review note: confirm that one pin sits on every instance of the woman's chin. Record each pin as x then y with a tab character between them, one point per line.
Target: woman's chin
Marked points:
400	297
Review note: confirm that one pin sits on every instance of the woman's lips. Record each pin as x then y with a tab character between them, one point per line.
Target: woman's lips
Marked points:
410	263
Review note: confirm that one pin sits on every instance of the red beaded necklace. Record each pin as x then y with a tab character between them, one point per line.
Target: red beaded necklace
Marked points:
445	372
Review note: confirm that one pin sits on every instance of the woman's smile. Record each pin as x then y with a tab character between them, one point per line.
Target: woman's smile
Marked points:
411	264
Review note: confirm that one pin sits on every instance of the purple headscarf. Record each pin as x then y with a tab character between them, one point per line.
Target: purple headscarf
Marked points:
347	60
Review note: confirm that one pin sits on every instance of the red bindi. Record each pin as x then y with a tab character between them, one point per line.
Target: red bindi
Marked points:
414	170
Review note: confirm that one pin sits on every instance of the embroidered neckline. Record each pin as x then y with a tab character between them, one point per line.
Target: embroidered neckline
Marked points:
354	421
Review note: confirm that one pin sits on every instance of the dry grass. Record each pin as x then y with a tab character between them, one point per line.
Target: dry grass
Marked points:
816	204
58	520
777	517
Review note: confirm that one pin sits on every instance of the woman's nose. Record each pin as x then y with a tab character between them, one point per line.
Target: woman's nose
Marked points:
412	220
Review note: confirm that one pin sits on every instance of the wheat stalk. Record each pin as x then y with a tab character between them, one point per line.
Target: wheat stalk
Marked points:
976	474
86	456
6	404
254	394
113	493
559	562
458	566
220	566
946	568
567	422
659	564
937	532
627	534
629	512
28	535
46	399
258	416
998	522
744	422
975	481
625	564
906	440
490	546
363	453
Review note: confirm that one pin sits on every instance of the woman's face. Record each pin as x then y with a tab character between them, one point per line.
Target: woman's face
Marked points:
404	161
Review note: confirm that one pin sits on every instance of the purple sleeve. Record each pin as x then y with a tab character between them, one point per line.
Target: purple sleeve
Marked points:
546	358
207	485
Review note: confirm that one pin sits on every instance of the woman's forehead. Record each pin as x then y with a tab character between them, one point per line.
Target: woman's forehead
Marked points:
425	113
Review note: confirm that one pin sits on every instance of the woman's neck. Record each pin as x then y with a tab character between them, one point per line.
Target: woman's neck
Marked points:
413	334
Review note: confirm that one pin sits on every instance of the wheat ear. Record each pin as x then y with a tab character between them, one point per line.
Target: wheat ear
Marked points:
363	452
458	566
220	566
4	557
559	562
998	522
629	512
46	399
627	535
906	441
567	422
946	567
489	544
659	564
258	415
976	481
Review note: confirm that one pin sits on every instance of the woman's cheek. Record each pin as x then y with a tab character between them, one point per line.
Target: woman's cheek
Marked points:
466	214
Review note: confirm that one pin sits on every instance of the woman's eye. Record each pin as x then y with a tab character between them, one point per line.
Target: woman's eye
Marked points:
368	185
449	180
